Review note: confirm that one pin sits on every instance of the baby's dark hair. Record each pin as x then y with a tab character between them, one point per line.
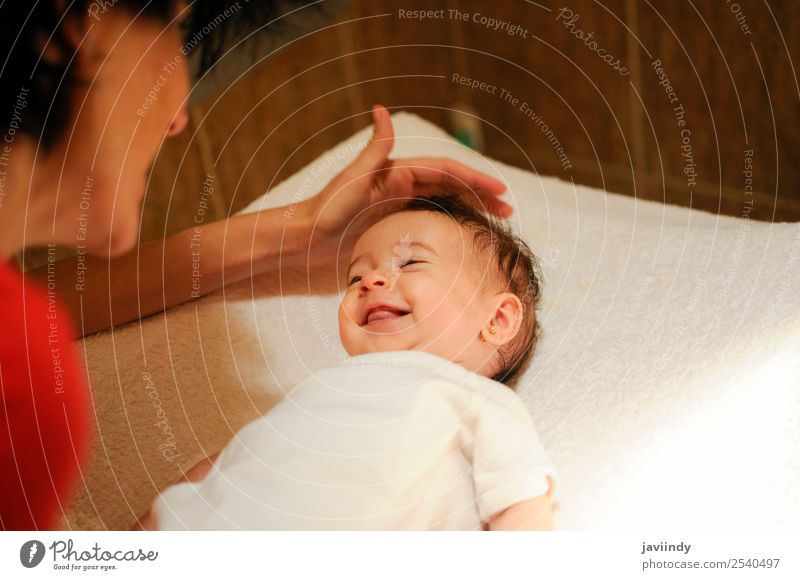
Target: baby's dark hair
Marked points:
515	268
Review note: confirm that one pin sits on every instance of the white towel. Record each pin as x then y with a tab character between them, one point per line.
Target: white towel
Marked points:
666	387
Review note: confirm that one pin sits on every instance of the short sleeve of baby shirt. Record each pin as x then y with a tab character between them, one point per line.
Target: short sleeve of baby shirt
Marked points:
508	461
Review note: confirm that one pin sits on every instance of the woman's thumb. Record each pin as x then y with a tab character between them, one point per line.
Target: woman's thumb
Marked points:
377	150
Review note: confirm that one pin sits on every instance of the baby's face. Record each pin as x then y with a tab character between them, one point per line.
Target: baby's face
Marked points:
415	284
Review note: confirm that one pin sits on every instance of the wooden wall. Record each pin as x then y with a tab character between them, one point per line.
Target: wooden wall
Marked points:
730	65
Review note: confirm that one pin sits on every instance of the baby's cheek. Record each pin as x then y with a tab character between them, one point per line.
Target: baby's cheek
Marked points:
444	322
346	344
462	321
345	327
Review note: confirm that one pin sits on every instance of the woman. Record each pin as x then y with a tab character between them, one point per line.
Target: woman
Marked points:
73	168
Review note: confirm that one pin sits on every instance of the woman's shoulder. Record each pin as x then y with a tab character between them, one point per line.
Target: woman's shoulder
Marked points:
21	306
36	348
45	400
28	312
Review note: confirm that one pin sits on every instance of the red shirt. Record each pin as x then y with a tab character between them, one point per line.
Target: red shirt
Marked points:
44	406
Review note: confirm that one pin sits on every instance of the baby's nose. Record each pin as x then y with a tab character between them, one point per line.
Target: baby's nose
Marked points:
374	278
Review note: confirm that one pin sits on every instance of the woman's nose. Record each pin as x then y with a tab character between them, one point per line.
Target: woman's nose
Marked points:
179	122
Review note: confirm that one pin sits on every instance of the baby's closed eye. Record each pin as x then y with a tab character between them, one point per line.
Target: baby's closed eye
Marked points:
410	262
355	279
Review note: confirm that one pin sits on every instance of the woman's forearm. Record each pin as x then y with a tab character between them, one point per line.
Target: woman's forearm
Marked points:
156	275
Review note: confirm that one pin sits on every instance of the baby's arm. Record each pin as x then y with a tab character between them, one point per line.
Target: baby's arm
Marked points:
196	473
532	514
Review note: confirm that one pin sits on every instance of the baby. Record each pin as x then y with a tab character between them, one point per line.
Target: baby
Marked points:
415	430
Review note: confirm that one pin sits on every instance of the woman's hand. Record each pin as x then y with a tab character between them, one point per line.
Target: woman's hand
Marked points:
373	185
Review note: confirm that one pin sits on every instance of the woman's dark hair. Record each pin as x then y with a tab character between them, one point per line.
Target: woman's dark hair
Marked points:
35	91
512	268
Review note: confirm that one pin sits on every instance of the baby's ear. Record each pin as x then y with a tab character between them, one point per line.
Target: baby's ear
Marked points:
505	321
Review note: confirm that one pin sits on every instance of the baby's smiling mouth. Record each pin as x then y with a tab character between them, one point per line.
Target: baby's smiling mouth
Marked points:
381	314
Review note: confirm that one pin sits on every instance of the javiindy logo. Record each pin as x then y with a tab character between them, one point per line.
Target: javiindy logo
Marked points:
31	553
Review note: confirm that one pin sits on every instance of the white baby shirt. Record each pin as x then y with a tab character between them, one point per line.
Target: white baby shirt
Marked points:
381	441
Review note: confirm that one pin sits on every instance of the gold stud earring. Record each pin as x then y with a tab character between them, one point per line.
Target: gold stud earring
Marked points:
492	329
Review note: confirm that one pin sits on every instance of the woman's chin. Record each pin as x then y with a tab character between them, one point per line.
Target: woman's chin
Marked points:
116	244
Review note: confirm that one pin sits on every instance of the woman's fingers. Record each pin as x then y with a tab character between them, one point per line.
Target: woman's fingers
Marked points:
426	173
432	171
442	170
